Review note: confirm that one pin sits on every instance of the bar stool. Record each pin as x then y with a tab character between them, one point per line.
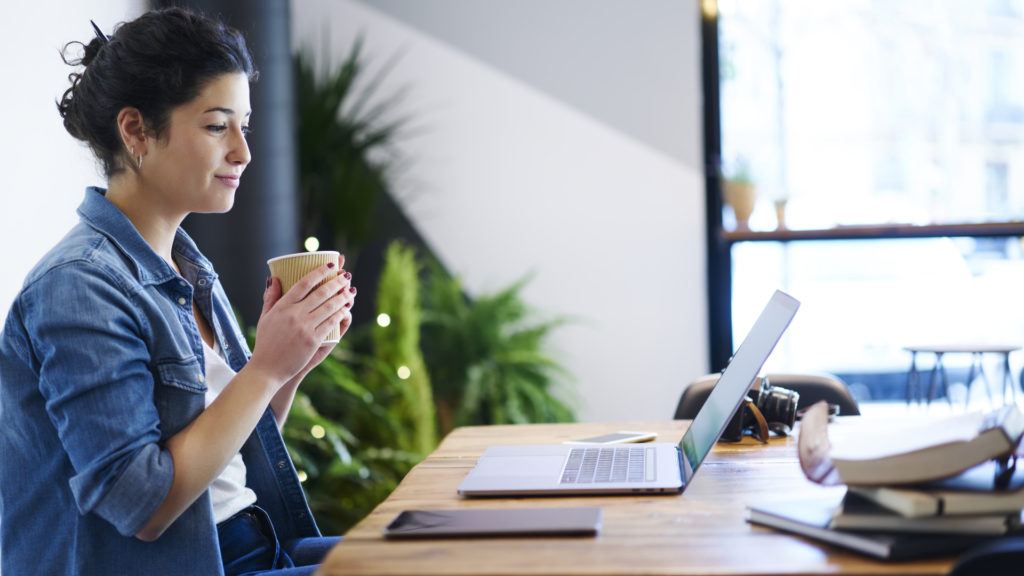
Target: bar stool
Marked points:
938	373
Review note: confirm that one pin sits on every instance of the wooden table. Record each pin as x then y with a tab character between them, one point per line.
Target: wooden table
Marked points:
703	531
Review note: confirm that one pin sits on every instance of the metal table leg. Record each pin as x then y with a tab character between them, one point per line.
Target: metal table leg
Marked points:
939	375
913	380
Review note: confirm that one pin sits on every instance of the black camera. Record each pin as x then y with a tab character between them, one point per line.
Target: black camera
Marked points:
766	409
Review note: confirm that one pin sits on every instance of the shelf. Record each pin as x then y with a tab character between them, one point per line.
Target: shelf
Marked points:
876	231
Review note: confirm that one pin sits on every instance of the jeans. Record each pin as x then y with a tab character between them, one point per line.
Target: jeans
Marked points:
249	546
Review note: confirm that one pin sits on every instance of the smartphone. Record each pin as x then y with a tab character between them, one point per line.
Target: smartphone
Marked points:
481	522
620	437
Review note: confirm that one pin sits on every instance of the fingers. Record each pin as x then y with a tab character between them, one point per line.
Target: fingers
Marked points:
335	308
346	323
327	301
302	289
336	283
272	294
333	297
318	357
342	319
321	300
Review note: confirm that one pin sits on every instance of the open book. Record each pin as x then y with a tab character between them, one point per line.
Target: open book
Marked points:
921	451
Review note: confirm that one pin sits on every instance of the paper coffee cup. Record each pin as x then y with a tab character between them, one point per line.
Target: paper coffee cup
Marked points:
290	268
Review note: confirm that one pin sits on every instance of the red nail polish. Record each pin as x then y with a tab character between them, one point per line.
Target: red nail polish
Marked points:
330	264
348	275
270	280
352	289
348	304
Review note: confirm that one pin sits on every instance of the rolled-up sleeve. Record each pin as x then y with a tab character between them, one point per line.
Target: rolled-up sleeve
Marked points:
96	377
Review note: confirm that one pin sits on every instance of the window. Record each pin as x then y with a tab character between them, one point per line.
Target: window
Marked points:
870	130
861	112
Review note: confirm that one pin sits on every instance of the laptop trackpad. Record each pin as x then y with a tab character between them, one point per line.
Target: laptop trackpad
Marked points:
533	465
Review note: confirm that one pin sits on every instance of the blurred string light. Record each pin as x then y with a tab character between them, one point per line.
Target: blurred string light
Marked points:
404	372
383	320
710	8
312	244
302	475
317	431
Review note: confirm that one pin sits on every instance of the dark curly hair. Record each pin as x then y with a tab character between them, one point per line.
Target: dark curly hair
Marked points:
155	63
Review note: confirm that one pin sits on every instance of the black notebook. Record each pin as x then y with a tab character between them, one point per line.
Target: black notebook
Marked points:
811	518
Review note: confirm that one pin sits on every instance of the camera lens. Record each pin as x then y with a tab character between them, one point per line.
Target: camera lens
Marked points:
779	406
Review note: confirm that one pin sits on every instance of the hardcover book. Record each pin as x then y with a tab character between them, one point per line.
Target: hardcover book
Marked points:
970	492
861	514
811	519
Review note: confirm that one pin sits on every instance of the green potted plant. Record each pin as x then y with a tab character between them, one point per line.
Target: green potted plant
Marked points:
365	416
346	135
396	343
359	423
488	358
354	429
343	433
375	406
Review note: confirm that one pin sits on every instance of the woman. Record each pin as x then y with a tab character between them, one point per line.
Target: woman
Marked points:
140	435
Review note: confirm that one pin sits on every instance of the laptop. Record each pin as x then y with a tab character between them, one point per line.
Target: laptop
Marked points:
659	467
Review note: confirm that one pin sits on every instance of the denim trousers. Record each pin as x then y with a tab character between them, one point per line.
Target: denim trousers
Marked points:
249	546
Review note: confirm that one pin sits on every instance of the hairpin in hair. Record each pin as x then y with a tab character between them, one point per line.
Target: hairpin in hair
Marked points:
99	33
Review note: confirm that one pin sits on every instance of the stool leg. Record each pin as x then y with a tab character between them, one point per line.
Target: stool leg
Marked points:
1008	379
912	380
970	377
984	378
936	371
945	380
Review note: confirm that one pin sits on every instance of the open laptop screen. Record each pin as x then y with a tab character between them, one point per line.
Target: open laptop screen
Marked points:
727	395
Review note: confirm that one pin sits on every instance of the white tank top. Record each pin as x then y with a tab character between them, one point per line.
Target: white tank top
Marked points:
228	491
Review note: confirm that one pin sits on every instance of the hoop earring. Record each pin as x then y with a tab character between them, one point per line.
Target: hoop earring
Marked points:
132	148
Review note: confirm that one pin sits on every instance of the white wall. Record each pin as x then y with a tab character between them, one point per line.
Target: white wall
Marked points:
632	64
45	170
505	180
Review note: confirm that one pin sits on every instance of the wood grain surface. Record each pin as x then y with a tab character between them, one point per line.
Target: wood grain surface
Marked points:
702	531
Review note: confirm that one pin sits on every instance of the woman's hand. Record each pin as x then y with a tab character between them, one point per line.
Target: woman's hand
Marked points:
282	401
292	326
289	343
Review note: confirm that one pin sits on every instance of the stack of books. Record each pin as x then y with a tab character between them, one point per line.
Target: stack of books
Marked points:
931	492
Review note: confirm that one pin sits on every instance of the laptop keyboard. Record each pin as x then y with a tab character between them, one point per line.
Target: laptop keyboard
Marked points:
609	464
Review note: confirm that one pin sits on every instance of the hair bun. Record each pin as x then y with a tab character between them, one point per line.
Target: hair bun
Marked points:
91	50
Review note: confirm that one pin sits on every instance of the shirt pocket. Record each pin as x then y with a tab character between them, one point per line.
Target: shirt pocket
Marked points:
180	392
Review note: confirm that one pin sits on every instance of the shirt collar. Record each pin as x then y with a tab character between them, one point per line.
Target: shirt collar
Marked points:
150	268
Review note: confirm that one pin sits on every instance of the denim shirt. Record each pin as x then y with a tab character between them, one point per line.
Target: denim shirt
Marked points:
101	362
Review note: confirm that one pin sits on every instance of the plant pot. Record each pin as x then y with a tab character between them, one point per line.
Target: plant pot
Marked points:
740	196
